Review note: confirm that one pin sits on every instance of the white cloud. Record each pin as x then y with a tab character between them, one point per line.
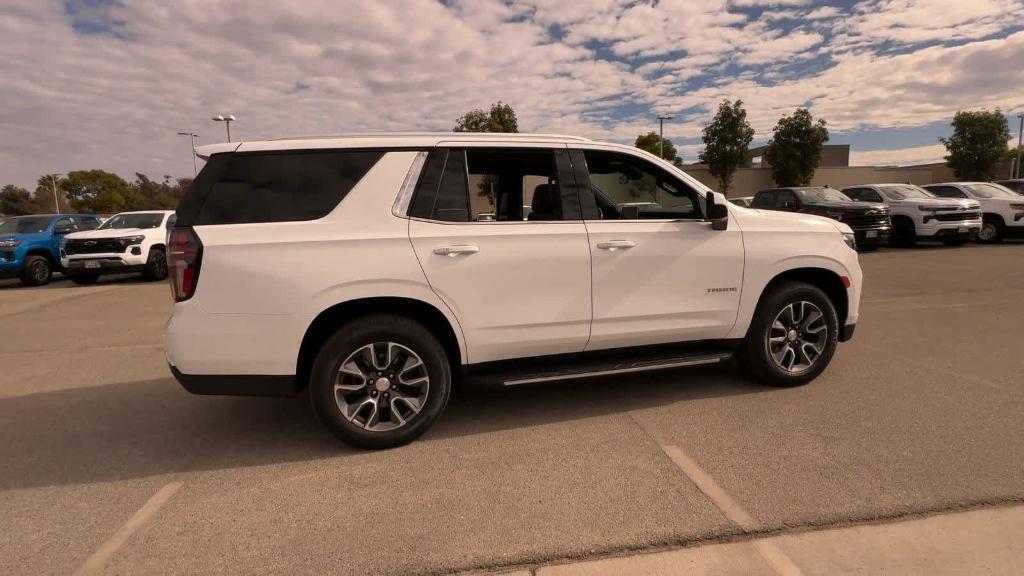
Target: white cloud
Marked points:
74	100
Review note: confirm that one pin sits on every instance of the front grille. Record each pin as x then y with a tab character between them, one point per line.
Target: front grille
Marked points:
97	246
862	220
957	216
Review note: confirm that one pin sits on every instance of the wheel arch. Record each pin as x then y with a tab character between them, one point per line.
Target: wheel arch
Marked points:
828	281
993	216
329	320
45	253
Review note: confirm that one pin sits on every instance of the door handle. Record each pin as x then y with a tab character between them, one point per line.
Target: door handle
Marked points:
616	245
454	251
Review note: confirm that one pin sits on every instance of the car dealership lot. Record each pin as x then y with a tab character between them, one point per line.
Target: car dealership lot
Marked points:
109	465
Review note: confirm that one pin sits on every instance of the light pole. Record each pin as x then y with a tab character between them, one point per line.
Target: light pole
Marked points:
227	120
1020	140
195	168
661	133
53	184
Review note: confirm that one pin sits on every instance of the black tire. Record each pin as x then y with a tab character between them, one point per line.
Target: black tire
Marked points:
36	271
754	354
356	336
992	230
903	235
156	265
83	280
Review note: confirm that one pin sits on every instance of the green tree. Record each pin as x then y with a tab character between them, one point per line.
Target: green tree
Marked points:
727	142
15	201
99	191
794	150
150	194
501	118
978	143
651	142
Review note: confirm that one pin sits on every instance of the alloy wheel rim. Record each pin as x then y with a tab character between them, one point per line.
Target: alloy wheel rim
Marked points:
381	386
159	264
39	271
797	337
988	231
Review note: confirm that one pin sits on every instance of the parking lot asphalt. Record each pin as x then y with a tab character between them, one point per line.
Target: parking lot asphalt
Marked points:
109	466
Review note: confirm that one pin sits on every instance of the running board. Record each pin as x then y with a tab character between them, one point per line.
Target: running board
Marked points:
609	369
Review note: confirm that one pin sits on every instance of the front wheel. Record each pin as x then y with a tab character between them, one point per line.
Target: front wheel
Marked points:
37	271
380	382
793	335
156	265
991	231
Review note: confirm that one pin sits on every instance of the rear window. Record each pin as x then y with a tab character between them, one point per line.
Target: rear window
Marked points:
273	187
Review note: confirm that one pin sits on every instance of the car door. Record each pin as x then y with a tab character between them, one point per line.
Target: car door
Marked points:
519	285
660	272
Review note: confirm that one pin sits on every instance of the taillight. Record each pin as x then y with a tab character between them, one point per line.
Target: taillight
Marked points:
185	253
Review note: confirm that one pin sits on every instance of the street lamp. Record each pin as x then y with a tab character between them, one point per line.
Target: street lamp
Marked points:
53	184
195	168
661	133
227	120
1020	138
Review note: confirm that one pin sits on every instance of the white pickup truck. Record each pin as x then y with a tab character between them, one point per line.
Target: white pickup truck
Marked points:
918	215
127	242
1002	209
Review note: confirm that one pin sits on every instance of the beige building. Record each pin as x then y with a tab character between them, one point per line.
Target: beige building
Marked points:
834	171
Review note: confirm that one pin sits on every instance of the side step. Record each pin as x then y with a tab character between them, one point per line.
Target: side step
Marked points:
592	364
591	370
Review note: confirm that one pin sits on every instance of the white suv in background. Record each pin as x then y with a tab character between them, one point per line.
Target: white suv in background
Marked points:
127	242
1002	209
376	269
919	215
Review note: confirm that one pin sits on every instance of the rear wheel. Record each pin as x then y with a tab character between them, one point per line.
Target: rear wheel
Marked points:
85	279
380	381
156	265
36	272
793	335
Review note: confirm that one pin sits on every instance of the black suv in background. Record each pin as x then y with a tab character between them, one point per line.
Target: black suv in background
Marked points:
869	221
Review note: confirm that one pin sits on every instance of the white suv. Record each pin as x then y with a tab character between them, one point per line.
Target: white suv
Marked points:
375	269
1002	209
919	215
127	242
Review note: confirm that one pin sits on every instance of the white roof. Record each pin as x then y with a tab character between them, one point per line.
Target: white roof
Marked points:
384	140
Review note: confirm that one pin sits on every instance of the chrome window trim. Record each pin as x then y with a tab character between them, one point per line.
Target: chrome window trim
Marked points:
412	177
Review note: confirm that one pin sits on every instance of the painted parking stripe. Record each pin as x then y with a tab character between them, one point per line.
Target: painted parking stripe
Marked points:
95	563
731	509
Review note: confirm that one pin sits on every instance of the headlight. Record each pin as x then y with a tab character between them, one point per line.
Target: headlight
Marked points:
850	239
835	215
129	240
9	243
926	208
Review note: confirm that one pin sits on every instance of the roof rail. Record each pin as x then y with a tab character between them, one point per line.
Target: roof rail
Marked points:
481	135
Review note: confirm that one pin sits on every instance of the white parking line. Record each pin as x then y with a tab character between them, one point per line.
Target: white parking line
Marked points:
95	563
720	498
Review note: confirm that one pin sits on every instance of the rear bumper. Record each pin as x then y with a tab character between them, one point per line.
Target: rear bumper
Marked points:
236	384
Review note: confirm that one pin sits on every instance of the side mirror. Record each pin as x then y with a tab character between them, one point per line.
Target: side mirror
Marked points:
629	213
718	214
788	205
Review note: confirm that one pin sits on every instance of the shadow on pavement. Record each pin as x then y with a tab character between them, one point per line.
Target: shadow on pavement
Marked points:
139	429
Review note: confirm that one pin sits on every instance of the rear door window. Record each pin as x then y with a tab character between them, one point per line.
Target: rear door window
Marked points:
273	186
765	199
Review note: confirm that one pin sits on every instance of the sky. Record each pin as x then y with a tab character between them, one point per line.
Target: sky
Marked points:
108	84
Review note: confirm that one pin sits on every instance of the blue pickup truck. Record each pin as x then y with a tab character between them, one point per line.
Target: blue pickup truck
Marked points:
30	245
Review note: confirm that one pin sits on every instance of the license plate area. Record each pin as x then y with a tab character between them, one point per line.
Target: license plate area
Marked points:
871	234
92	264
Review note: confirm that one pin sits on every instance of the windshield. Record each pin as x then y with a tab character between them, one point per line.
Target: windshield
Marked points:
907	192
990	191
823	195
25	225
146	220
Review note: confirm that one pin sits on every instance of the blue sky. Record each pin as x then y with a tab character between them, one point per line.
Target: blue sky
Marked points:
108	83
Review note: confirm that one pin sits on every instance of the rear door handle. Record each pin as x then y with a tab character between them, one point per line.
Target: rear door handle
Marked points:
616	244
454	251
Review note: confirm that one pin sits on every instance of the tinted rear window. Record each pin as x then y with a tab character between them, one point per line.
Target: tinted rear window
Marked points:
273	187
